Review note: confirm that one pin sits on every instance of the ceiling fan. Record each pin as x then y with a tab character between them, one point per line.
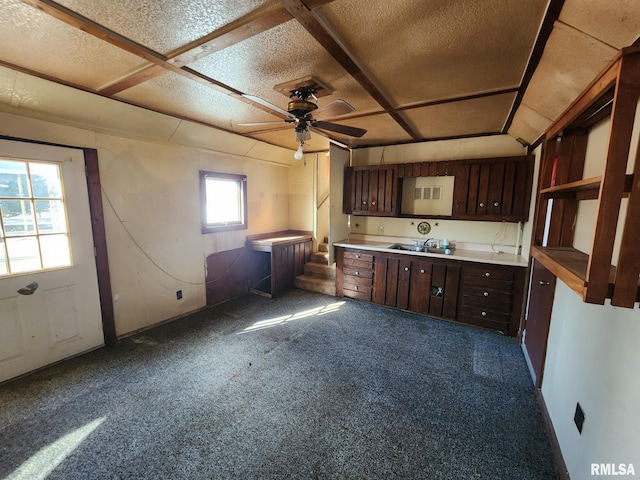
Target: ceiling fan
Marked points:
305	114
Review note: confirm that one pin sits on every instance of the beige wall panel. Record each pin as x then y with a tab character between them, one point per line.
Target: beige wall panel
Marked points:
571	60
467	117
460	149
420	50
614	22
54	48
528	124
162	25
282	54
48	100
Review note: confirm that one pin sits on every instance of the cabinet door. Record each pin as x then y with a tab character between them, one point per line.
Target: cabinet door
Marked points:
372	190
493	189
419	285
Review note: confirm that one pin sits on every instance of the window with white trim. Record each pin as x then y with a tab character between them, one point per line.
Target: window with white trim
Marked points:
34	232
224	201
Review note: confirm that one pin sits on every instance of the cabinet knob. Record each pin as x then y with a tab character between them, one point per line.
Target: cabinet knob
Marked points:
486	294
487	274
356	287
422	270
373	203
496	204
543	283
484	314
364	203
482	204
357	256
406	269
357	273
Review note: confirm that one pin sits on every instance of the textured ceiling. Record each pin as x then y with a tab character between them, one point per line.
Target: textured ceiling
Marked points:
413	70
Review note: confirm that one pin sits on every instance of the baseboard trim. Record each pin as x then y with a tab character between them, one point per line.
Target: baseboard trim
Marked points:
558	459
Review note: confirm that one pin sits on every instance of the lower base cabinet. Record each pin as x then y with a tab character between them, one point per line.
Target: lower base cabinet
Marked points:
485	295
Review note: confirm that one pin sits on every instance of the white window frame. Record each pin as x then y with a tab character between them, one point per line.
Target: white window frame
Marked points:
239	202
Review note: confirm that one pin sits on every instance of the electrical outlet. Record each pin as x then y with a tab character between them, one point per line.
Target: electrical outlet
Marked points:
179	294
579	417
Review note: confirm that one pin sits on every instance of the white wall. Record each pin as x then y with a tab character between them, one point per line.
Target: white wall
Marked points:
593	358
499	233
152	213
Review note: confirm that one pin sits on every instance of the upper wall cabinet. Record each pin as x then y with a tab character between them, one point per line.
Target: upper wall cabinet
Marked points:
612	94
489	189
372	190
493	189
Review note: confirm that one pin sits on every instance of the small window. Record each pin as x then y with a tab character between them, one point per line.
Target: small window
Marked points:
34	235
223	199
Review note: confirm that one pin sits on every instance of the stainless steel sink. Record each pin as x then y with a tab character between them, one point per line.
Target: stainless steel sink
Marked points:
420	248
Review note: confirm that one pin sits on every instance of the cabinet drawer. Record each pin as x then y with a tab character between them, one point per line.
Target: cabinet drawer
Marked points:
489	291
486	304
358	272
492	273
357	280
484	313
471	312
354	290
358	255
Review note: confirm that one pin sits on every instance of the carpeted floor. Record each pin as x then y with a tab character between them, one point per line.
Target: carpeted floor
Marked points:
304	387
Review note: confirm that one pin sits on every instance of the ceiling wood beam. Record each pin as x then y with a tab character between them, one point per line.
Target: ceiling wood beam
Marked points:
259	20
553	12
325	37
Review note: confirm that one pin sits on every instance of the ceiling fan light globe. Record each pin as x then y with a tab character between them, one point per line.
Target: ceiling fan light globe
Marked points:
298	154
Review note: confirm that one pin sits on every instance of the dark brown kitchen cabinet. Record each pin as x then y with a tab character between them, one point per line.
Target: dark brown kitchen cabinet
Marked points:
374	190
276	259
354	273
493	189
492	296
418	284
480	294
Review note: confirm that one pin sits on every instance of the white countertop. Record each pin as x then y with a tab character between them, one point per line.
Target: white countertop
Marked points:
470	253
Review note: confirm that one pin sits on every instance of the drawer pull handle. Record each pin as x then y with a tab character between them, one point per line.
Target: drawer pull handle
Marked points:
486	294
487	274
422	270
406	269
484	314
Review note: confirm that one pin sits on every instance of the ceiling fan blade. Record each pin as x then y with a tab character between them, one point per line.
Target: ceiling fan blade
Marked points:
333	109
264	103
334	127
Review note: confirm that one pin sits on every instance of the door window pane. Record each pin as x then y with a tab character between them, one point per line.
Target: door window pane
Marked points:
17	217
14	180
24	254
50	216
55	251
45	178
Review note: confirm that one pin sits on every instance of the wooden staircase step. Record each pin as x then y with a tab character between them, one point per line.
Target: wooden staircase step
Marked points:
320	257
320	270
312	283
323	247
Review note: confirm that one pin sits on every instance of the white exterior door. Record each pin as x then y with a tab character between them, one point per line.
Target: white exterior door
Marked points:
62	317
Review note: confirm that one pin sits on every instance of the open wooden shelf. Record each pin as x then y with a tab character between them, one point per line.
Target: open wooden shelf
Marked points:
585	185
614	94
570	266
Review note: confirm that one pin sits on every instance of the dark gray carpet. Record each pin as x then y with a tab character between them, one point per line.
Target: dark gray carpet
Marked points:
316	390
